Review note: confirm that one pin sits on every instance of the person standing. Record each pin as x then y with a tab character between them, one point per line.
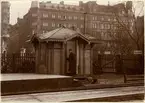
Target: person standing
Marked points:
72	63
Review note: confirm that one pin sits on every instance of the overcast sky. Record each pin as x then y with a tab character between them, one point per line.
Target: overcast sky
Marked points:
20	7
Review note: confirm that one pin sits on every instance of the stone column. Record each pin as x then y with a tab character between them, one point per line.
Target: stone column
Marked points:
77	57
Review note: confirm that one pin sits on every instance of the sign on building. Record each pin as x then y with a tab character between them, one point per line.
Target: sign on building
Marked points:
137	52
107	52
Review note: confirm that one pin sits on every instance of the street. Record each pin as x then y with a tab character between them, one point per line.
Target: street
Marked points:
79	95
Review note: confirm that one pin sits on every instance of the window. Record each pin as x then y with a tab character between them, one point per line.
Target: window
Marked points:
58	25
95	25
98	25
96	18
69	25
34	14
53	15
34	23
64	17
45	15
102	18
82	18
70	17
93	18
75	17
108	26
92	25
45	24
65	25
114	34
115	19
82	26
101	26
53	24
108	44
5	10
43	31
75	25
105	26
111	26
109	19
59	16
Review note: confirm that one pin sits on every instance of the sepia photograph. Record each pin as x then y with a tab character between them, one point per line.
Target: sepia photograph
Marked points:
72	50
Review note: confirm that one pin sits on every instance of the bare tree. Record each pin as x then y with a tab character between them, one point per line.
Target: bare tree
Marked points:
128	34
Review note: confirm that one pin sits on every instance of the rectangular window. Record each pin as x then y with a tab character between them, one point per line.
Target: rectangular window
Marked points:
53	24
53	15
92	25
45	15
58	25
75	25
102	18
82	26
82	18
75	17
59	16
34	23
108	26
70	17
112	26
34	14
96	18
102	26
45	24
115	19
69	25
109	19
64	17
64	25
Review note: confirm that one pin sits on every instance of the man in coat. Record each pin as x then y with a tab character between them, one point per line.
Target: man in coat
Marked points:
72	62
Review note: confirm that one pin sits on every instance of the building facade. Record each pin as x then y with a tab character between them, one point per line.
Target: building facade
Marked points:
90	18
5	17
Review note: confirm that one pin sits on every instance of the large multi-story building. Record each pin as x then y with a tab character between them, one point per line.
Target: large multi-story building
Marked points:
90	17
5	17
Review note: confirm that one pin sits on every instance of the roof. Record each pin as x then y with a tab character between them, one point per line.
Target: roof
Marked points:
63	34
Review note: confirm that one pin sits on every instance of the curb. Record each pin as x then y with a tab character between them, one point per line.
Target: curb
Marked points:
87	87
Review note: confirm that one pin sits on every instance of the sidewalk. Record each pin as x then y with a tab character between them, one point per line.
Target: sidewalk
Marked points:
114	79
111	94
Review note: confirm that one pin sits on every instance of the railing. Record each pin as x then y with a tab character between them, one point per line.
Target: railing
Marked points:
17	63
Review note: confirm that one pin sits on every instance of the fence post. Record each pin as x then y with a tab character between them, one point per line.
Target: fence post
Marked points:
13	63
100	62
124	70
118	64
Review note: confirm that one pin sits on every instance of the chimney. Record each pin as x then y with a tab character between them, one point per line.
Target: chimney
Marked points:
34	4
62	2
48	2
80	3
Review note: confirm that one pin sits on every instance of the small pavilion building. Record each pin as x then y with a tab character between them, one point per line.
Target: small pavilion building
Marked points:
52	51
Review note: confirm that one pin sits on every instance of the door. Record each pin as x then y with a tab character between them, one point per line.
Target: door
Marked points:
70	45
